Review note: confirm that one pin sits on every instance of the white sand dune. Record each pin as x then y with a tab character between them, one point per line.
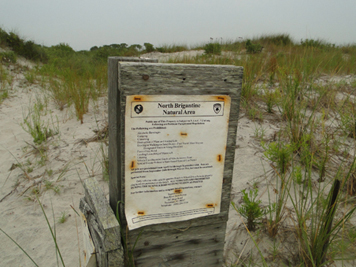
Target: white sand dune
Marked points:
69	161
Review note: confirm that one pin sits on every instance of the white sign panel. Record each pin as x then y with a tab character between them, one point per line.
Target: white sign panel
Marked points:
174	157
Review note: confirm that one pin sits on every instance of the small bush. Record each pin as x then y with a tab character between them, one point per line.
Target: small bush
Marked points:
253	48
62	50
27	49
3	37
212	48
149	47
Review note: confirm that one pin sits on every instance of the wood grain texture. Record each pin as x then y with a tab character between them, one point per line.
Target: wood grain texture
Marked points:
189	242
103	225
114	124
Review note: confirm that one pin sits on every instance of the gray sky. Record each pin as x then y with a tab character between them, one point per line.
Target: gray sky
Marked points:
86	23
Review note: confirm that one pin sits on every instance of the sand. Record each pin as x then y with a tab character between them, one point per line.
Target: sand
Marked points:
70	161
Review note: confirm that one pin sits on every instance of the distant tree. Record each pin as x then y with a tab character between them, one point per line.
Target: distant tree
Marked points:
149	47
136	46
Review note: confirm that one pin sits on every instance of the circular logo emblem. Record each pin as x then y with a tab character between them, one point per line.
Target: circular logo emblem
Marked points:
138	109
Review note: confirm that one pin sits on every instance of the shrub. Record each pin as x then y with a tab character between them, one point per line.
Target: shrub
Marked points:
252	48
212	48
62	50
94	48
149	47
3	37
27	49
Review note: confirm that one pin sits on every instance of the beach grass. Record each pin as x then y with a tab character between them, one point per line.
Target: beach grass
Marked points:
305	87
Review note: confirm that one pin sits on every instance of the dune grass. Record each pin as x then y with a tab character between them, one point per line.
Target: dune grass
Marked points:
313	153
311	182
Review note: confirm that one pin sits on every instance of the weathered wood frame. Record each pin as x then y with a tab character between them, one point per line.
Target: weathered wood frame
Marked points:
103	226
114	124
198	241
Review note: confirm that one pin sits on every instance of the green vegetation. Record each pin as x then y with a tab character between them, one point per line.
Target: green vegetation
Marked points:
5	84
212	48
252	48
33	124
311	179
8	57
172	48
27	49
63	218
312	152
250	209
149	47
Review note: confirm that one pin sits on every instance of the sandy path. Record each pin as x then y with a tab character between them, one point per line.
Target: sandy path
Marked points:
21	216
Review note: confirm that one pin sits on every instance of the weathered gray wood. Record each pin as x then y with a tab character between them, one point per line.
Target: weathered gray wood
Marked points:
200	245
199	241
114	124
103	225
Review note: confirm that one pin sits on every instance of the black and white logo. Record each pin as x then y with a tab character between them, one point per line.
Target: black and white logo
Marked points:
138	109
217	108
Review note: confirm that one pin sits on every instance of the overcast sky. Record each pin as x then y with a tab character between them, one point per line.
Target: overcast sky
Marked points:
86	23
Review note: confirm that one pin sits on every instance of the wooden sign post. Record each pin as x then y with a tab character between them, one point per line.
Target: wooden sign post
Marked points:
101	230
172	134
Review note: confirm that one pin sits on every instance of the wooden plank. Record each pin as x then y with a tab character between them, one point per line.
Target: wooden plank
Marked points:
103	225
114	126
199	245
89	248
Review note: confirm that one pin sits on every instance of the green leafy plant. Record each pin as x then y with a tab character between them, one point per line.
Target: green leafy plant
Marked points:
280	154
250	209
271	98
